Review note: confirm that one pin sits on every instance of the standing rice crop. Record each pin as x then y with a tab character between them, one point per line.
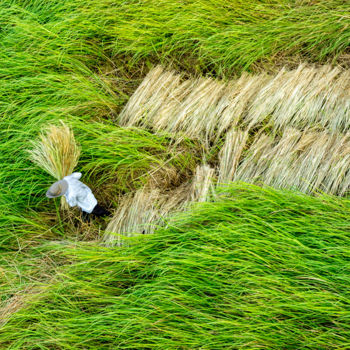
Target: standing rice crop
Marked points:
256	268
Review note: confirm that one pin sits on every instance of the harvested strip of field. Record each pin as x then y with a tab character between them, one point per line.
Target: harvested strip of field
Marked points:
204	108
149	208
257	268
290	130
306	161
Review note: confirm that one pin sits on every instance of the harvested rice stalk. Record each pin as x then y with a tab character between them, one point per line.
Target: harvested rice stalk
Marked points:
149	208
323	165
256	161
305	161
230	154
142	212
202	187
239	94
189	103
195	117
56	152
205	108
304	97
155	91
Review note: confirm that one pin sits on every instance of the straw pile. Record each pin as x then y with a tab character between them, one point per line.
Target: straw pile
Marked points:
150	207
306	161
204	108
56	152
289	130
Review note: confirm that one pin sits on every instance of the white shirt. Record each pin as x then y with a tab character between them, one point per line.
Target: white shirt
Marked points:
79	194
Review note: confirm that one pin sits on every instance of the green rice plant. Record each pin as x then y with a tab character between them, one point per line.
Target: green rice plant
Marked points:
124	159
38	103
45	79
25	260
200	36
256	268
221	38
22	228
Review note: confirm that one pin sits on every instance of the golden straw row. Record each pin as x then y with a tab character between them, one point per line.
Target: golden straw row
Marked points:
204	108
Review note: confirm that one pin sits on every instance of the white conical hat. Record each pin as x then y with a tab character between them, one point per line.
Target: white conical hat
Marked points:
59	188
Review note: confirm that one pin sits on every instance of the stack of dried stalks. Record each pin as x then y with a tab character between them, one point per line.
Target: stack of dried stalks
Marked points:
306	161
287	130
290	130
231	153
205	108
304	98
56	152
150	207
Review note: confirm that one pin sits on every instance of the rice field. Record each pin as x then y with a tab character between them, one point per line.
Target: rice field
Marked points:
217	134
257	268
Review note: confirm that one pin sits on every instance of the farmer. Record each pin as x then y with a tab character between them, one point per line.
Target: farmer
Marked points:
77	194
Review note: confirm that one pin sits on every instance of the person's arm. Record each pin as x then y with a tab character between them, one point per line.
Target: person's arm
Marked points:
85	199
76	175
72	201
